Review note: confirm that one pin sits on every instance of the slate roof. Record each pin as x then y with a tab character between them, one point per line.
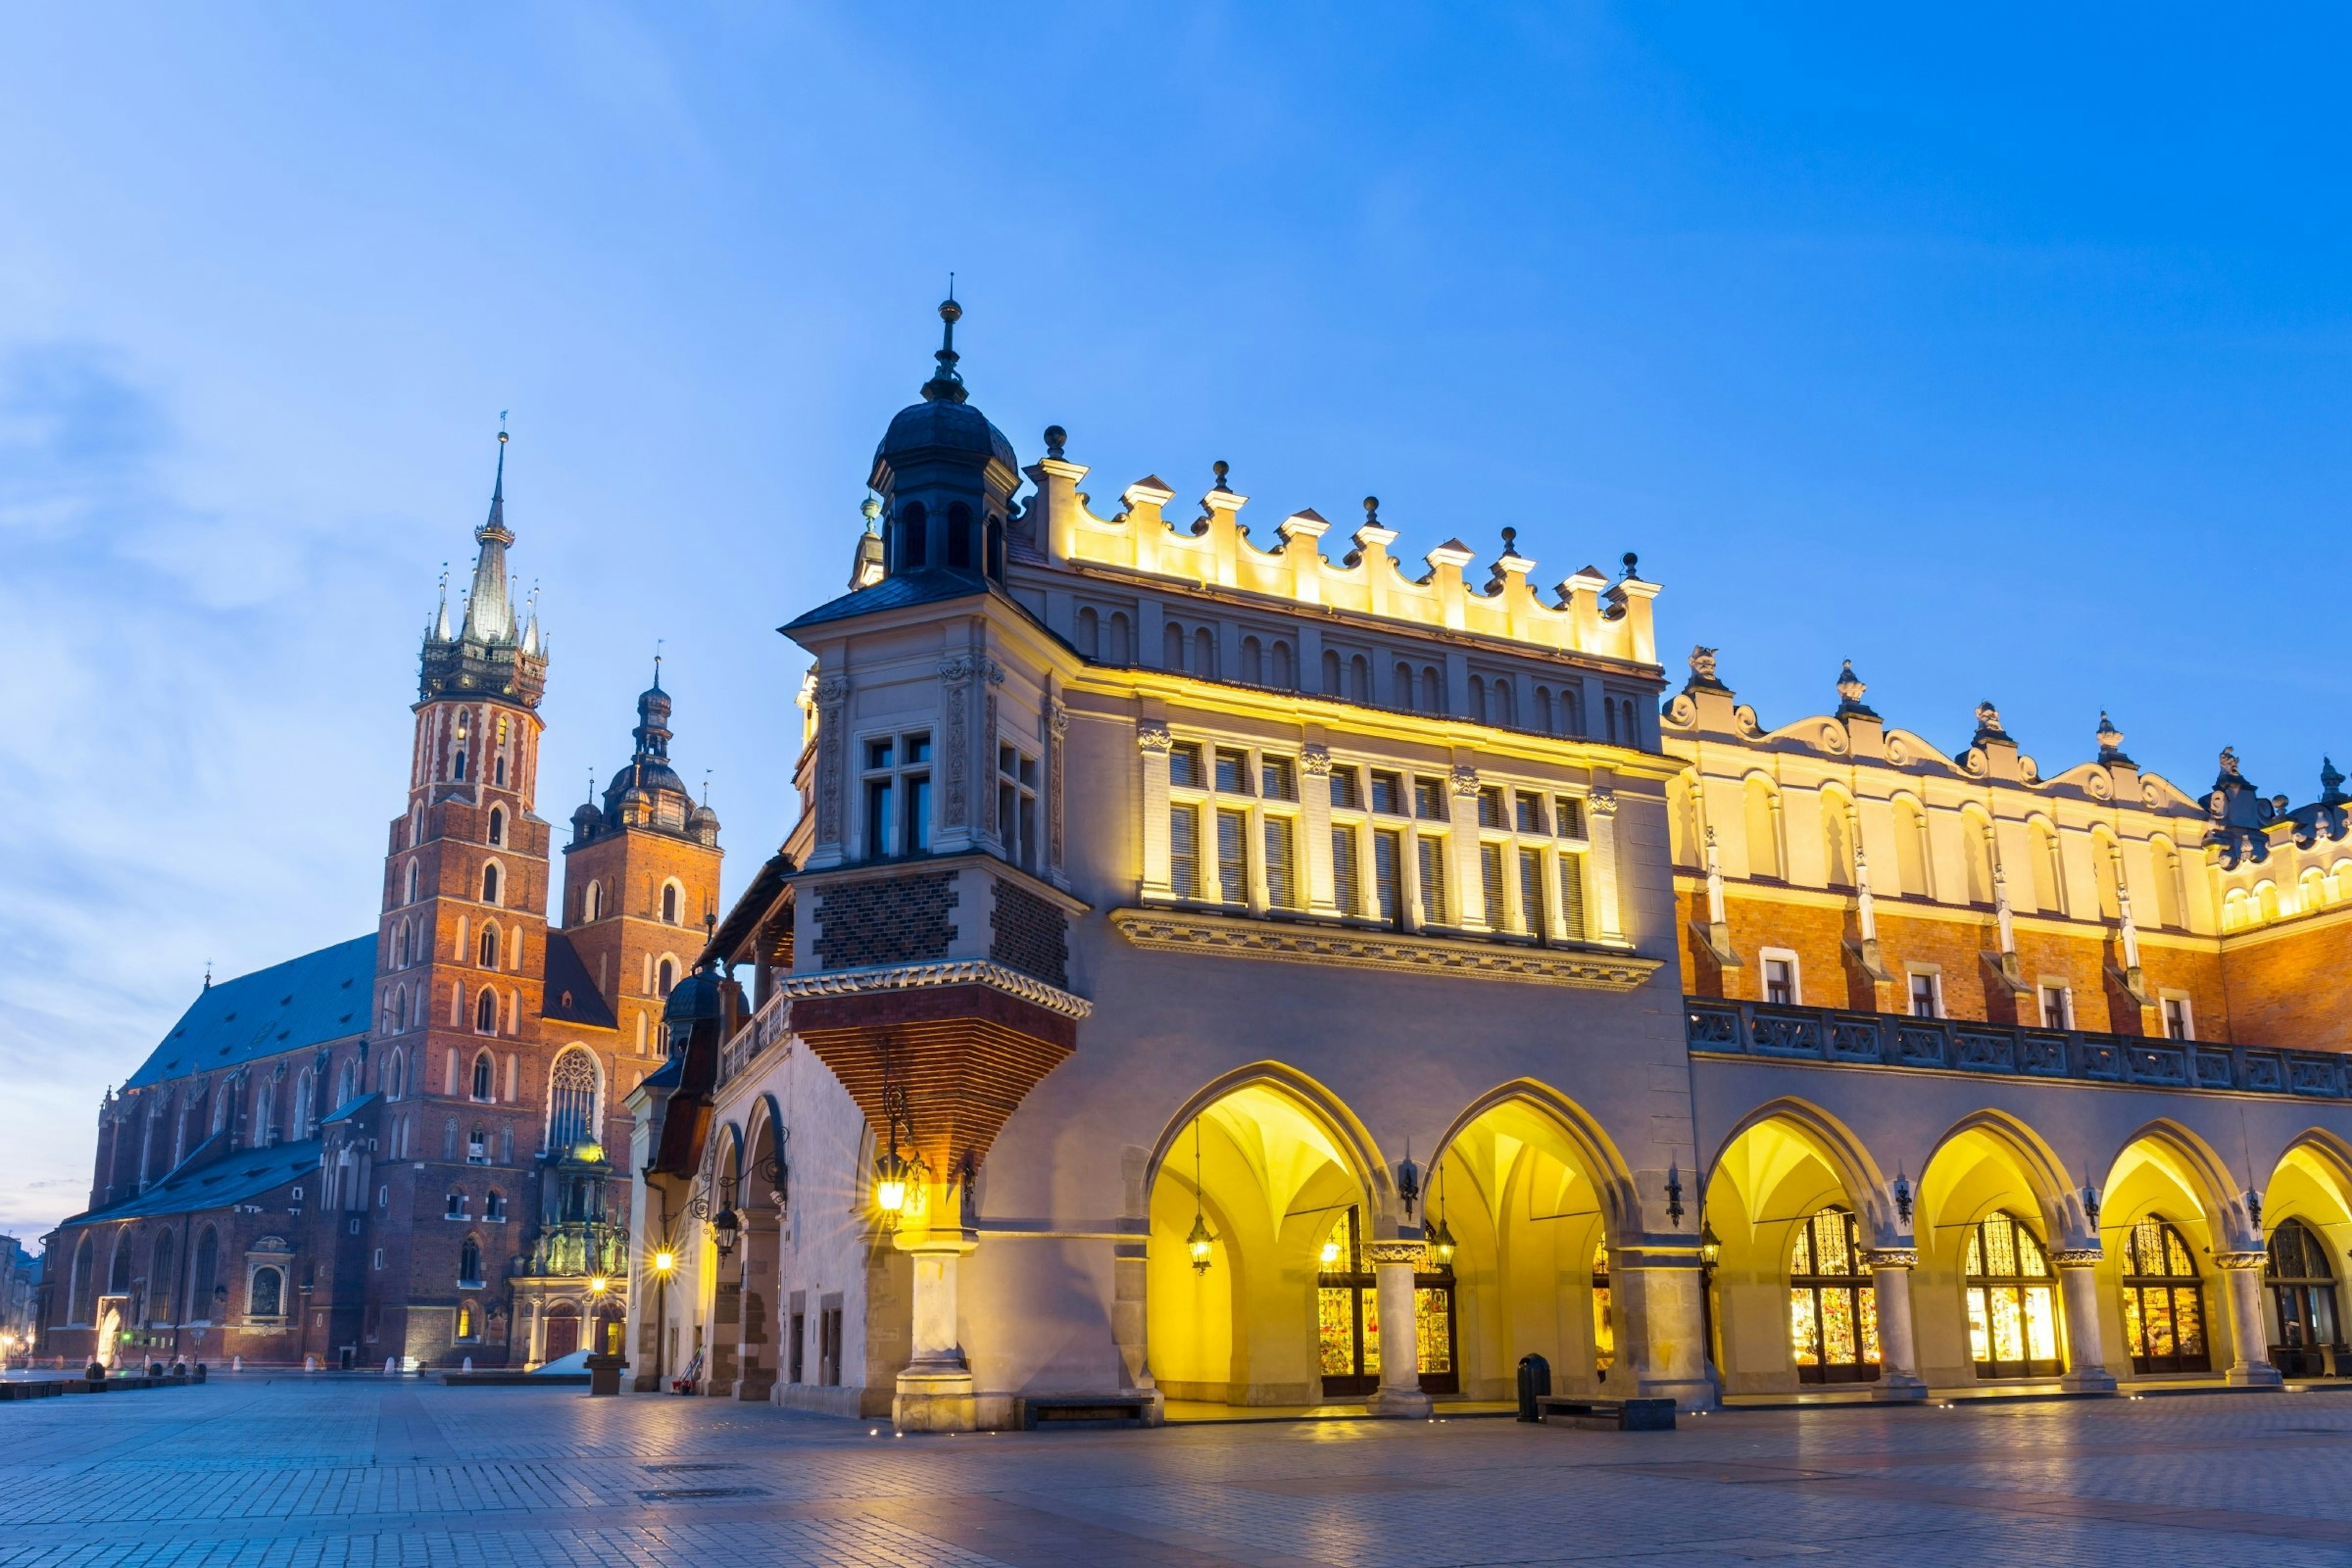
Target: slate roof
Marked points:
306	1001
902	590
235	1178
567	973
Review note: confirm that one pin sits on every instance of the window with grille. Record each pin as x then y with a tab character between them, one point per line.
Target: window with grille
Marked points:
2164	1301
1184	766
1490	881
1529	811
1531	891
1429	799
1233	856
1388	877
1388	794
1346	890
1232	770
1430	866
571	1101
1346	795
898	796
1570	817
1184	850
1281	882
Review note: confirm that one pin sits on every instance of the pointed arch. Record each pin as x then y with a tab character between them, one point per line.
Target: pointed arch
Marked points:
1839	1148
1612	1178
2044	1174
1359	1155
2203	1174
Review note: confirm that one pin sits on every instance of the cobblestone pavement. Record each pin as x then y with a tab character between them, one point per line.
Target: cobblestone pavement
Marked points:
298	1472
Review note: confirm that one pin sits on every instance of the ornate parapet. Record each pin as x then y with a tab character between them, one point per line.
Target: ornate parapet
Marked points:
1351	947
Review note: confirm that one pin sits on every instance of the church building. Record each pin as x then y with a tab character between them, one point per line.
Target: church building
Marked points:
1216	971
401	1147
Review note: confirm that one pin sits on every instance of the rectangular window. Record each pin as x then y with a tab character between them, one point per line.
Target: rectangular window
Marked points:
917	835
1780	983
1016	805
1571	898
1344	793
1530	810
2176	1017
1388	795
1429	862
1490	879
1490	807
2057	1008
1924	1000
878	795
1232	772
1571	816
1277	781
1344	891
878	755
1184	766
1281	886
919	749
1531	891
1184	851
1388	875
1233	856
1429	799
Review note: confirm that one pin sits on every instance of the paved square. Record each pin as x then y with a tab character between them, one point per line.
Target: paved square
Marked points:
346	1470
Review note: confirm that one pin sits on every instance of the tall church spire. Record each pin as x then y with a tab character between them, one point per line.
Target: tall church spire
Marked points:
490	613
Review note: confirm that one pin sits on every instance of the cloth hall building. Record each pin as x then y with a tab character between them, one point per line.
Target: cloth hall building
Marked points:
399	1148
1212	970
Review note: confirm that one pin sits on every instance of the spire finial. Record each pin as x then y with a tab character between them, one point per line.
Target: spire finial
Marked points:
658	657
946	384
208	973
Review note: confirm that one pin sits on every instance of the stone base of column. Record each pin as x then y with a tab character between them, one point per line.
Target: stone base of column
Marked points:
935	1400
1898	1388
2247	1375
1687	1393
1400	1403
2088	1379
755	1390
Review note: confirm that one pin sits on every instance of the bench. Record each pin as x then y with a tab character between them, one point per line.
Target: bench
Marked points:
1606	1415
1083	1411
45	1389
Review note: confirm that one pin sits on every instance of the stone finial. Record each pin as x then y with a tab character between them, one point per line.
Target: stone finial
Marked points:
1989	725
2331	783
1632	561
1511	544
2111	742
1055	438
2229	764
2238	817
1372	511
1221	468
1849	688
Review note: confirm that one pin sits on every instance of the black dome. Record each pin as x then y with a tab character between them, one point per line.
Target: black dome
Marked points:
943	424
693	999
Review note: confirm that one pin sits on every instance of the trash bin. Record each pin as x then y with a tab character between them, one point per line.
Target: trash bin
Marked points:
604	1375
1535	1382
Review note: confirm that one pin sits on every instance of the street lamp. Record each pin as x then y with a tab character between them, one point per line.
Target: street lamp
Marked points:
665	1265
724	1230
1710	1245
890	1172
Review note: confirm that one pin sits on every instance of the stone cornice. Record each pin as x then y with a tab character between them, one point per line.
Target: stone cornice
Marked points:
925	976
1347	947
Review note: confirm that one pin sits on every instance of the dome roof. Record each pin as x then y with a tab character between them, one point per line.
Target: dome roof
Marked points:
694	998
943	424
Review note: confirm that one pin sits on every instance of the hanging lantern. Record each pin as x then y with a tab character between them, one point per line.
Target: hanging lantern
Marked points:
1440	1241
890	1181
1330	1254
1199	1242
1710	1245
724	1230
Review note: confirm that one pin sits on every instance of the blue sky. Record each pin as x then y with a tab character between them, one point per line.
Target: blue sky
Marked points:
2004	355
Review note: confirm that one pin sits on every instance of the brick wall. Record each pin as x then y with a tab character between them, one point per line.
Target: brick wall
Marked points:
889	920
2284	991
1029	934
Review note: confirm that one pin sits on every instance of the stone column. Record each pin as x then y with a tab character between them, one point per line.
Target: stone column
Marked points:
1151	739
1600	823
935	1392
2250	1334
1400	1392
755	1376
1314	822
1898	1353
1662	1329
2078	1286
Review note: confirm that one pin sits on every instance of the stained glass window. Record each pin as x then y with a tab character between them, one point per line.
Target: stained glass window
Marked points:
2303	1289
2164	1304
2012	1300
1832	1302
1347	1318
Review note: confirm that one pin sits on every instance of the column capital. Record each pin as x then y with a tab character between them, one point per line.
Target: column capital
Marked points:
1407	1252
1891	1257
2238	1259
2077	1256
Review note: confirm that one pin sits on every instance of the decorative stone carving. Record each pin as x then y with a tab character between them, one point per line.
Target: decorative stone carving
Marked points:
2238	816
1285	942
1380	1252
2238	1259
1891	1257
1850	689
2077	1256
945	971
1152	736
1315	761
955	677
1057	730
1602	803
1465	781
831	698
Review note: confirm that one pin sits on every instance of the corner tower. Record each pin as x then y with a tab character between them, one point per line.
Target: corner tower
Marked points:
946	476
641	882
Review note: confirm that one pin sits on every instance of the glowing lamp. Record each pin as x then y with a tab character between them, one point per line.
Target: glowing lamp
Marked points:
665	1261
890	1174
724	1230
1440	1241
600	1284
1330	1253
1197	1244
1710	1245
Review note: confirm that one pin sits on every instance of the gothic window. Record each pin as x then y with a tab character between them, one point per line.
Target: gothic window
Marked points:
498	773
469	1262
395	1075
265	1296
665	976
486	1012
489	953
265	1115
305	1089
506	1129
411	883
490	884
2164	1304
571	1100
159	1280
1347	1318
498	816
205	1277
669	903
914	548
449	1153
1832	1306
494	1207
466	1321
347	1082
485	1077
458	766
2303	1293
84	1303
1604	1317
2012	1300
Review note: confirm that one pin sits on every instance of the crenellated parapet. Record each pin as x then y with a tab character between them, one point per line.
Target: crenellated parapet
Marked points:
1585	613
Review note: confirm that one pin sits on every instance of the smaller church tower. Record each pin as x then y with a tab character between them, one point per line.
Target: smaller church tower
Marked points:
641	883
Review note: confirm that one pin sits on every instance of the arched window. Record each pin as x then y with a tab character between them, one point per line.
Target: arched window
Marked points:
449	1153
1433	691
2164	1304
1172	646
1119	644
593	903
2302	1289
664	977
1478	699
571	1100
395	1077
265	1115
1253	661
347	1082
1833	1305
486	1012
1604	1317
499	820
1349	1325
84	1304
1204	653
490	884
490	947
457	766
205	1277
992	560
2314	891
299	1125
913	528
1090	632
669	902
498	773
1331	676
494	1207
485	1076
265	1296
159	1280
1402	687
1286	667
1359	679
1763	824
959	535
465	1329
469	1262
2012	1300
411	883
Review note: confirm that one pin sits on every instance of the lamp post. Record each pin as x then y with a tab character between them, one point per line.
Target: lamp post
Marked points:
665	1265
